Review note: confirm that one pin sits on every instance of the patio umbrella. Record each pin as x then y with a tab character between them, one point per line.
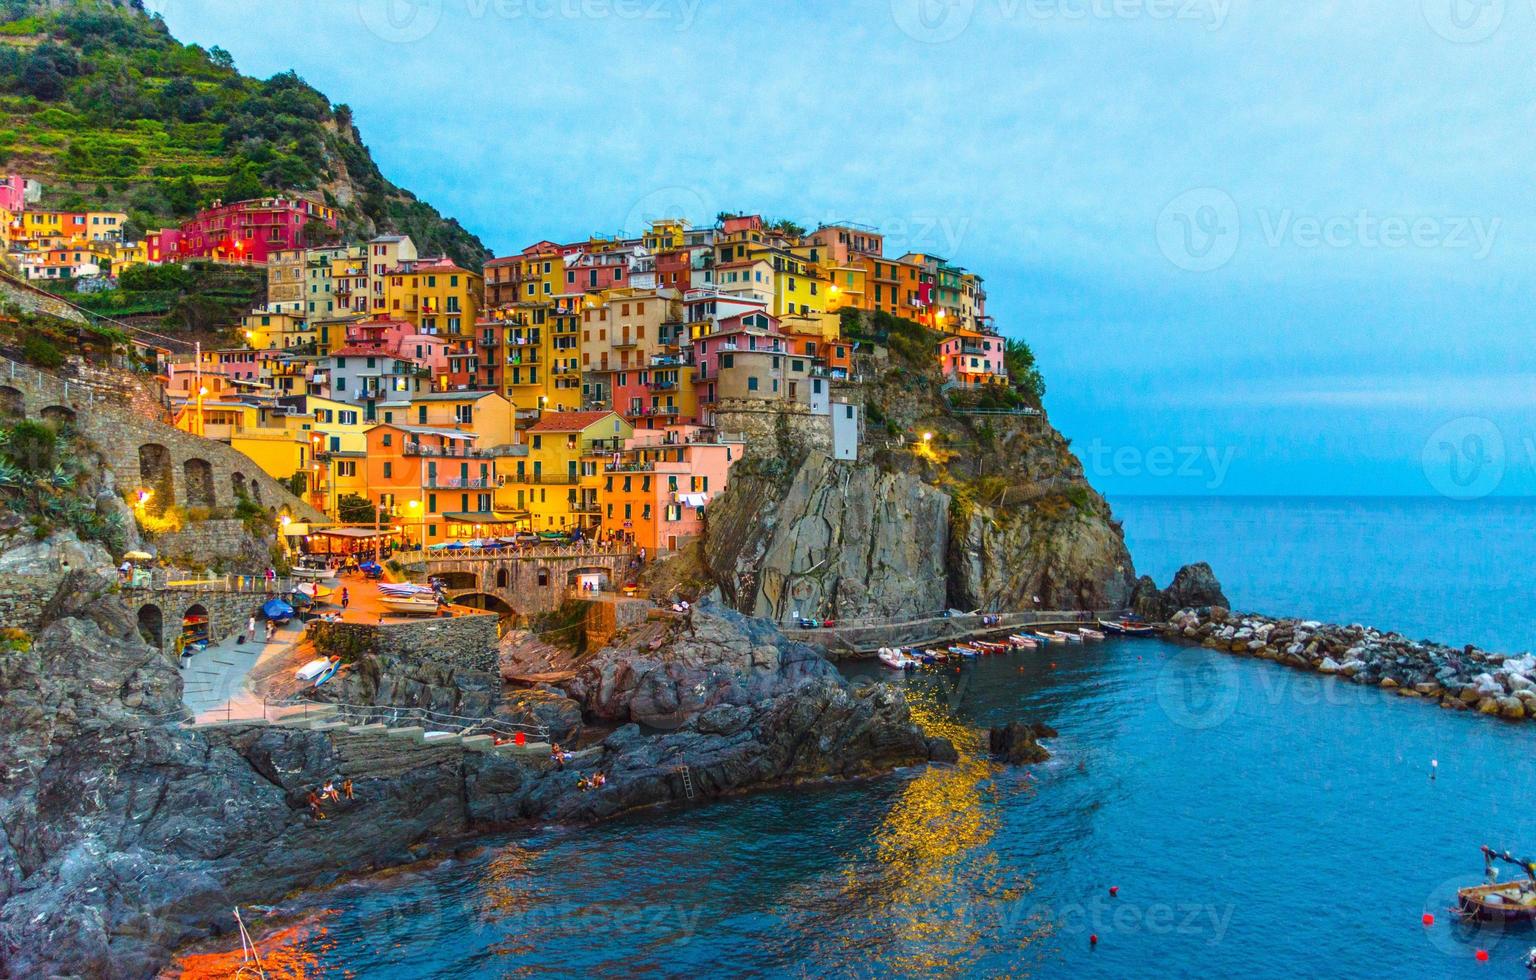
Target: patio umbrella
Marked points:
139	556
277	610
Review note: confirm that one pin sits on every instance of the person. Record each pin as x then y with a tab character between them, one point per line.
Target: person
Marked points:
271	630
250	628
346	597
556	756
271	575
329	792
313	799
124	570
346	787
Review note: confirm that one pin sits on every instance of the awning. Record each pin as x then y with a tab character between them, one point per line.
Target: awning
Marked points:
691	499
484	517
355	532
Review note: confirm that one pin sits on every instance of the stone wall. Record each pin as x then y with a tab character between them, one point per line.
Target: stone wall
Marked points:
159	612
35	300
467	642
775	428
205	541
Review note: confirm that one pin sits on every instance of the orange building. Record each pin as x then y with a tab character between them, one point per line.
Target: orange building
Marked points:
435	483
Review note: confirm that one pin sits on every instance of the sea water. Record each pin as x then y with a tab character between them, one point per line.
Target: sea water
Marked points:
1254	820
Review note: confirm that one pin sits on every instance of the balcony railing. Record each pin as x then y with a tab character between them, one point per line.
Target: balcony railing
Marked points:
423	449
459	483
544	479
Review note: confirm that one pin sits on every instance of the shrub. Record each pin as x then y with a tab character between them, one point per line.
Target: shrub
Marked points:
32	446
39	350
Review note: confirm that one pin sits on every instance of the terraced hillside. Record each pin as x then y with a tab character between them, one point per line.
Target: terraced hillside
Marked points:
109	111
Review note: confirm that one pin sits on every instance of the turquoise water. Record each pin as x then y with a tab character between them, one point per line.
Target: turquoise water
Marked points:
1257	821
1453	571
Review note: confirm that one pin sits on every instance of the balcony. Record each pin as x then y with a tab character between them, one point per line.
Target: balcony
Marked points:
451	452
458	483
527	357
662	384
544	479
624	343
584	507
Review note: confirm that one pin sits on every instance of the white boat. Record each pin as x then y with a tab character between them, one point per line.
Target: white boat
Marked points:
313	669
1051	637
409	606
894	659
1091	634
1025	642
318	574
1070	637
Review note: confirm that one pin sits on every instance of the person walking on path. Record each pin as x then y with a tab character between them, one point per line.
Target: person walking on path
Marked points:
250	629
346	597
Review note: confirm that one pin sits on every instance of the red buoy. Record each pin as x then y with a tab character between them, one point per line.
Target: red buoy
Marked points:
1482	956
1429	919
1093	939
1114	890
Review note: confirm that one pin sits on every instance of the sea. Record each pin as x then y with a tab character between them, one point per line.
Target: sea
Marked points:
1201	815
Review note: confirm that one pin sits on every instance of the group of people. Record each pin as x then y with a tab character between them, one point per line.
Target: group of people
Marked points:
329	792
595	781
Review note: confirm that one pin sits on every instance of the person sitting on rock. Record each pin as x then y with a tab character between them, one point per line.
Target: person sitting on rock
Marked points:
556	756
329	792
313	799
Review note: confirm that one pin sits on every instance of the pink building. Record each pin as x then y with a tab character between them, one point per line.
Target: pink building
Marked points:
665	479
244	231
222	371
972	358
13	193
401	339
743	358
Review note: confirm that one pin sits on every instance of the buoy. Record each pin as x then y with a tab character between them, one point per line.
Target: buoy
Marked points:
1053	664
1429	919
1093	940
1434	768
1114	890
1482	956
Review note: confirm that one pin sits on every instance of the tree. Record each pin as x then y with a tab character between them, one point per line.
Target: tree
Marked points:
220	58
243	185
352	509
1020	362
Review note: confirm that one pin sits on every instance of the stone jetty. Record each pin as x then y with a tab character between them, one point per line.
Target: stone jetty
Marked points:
1462	679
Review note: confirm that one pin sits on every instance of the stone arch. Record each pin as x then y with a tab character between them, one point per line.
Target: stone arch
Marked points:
155	476
197	482
486	601
543	574
255	486
152	625
459	580
237	485
12	401
59	415
190	621
503	578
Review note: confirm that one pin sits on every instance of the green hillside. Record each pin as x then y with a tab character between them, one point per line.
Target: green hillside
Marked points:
101	104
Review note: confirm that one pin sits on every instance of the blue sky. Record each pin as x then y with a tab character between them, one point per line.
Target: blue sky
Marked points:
1257	247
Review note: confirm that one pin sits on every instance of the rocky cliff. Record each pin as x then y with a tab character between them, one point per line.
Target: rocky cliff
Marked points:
124	834
943	508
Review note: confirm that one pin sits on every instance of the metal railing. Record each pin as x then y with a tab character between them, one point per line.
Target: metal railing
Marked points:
400	717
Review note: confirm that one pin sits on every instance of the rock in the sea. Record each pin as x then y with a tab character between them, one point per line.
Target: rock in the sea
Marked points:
1018	744
1193	587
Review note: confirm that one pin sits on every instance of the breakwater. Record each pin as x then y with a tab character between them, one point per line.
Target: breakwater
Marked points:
1457	678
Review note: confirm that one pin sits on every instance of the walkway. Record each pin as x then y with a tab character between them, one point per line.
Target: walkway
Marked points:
215	680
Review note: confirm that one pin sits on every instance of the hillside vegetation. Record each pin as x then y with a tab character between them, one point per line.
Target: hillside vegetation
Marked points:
110	111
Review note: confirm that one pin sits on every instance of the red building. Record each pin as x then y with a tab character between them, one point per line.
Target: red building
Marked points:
245	231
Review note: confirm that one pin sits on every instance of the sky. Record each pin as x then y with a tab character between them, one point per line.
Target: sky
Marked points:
1258	248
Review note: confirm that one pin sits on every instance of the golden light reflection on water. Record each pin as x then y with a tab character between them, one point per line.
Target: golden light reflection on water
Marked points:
939	886
296	952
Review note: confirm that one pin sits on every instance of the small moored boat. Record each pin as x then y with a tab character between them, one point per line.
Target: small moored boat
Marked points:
1070	637
1024	642
409	605
1513	901
894	659
1050	637
1089	634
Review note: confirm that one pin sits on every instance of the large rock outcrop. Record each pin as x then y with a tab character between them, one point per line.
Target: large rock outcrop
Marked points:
124	835
1193	587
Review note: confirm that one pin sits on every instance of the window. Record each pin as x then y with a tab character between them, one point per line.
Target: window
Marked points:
389	469
752	383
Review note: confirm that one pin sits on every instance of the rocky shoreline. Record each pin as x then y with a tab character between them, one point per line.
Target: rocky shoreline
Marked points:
125	835
1458	679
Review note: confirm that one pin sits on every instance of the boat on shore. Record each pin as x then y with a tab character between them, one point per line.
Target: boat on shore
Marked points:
1126	628
409	605
316	574
895	659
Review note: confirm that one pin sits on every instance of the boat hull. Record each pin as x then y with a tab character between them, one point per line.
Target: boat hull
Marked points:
1481	902
409	607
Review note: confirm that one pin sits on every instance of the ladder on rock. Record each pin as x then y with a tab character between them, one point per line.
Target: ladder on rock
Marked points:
687	781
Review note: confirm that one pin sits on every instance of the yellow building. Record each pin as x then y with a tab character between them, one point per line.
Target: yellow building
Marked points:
486	413
276	331
556	483
435	295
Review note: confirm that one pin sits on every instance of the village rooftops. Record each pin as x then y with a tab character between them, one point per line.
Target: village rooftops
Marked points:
452	396
569	421
429	430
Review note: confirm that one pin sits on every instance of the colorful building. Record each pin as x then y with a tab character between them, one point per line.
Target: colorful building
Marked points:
555	486
245	231
657	487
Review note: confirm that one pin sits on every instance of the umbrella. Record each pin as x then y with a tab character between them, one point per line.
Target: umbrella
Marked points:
437	547
139	556
371	566
276	609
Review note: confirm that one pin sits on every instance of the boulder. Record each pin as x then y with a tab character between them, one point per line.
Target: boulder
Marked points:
1511	707
1329	666
1018	743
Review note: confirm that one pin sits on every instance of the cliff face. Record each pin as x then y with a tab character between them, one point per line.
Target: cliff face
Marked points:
990	511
